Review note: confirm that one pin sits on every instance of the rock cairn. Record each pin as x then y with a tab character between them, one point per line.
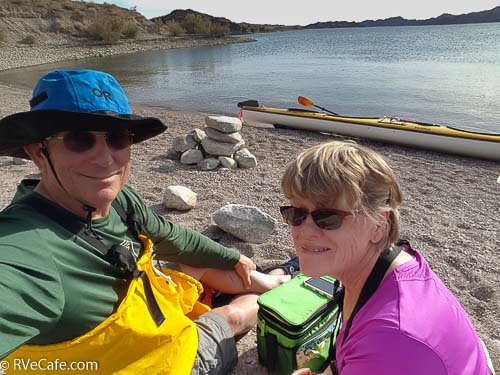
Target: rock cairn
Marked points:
219	143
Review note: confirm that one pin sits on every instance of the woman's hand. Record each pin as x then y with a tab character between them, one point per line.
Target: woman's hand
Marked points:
243	269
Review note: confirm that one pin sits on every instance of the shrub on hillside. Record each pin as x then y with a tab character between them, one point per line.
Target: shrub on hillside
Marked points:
117	24
219	31
28	39
175	28
157	26
196	24
130	30
102	29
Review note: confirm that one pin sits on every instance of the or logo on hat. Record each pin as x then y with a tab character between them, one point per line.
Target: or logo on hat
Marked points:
100	93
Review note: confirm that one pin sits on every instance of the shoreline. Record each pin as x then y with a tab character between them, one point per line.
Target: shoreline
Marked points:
14	56
450	209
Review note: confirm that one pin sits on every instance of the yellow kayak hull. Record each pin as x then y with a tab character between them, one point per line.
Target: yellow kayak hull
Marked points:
384	129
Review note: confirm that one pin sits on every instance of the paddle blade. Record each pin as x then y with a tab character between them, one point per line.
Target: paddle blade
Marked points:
248	103
305	102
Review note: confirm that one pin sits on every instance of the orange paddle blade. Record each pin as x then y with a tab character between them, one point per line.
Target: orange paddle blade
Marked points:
305	102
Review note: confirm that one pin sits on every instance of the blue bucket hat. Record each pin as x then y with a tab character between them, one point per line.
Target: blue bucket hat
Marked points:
74	100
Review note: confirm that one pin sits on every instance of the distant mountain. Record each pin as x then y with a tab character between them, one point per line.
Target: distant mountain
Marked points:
492	15
178	15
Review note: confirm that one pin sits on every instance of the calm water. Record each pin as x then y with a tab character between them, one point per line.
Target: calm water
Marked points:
439	74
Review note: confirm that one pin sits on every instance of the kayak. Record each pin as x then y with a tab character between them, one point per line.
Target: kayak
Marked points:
385	129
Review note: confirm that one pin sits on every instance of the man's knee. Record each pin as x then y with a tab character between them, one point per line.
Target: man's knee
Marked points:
234	316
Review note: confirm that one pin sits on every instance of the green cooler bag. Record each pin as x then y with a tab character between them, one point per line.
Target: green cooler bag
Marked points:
296	327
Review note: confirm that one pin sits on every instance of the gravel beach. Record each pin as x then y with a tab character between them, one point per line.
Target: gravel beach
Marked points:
450	210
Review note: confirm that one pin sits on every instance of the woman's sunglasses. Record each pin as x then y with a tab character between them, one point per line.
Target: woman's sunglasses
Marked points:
325	218
81	141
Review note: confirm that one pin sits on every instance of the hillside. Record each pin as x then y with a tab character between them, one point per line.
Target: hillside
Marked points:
235	28
60	19
34	32
492	15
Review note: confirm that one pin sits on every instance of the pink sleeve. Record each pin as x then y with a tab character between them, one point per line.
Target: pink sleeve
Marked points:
390	353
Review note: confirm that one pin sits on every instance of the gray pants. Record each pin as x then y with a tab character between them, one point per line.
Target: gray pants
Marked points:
217	354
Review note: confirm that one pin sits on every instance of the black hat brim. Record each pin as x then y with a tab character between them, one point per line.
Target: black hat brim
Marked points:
24	128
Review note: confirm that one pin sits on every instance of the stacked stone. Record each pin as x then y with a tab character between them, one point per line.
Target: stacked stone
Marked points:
219	143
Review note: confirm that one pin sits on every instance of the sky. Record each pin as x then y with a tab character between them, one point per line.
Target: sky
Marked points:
297	12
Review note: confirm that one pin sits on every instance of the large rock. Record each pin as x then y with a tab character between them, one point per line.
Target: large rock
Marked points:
192	156
248	223
184	143
213	147
245	158
224	124
223	137
179	197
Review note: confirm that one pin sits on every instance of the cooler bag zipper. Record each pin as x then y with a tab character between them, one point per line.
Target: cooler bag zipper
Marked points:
293	331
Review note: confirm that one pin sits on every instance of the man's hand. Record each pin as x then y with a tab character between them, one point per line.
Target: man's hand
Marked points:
302	371
243	269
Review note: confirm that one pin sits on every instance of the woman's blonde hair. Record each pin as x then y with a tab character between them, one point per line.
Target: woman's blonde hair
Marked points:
324	173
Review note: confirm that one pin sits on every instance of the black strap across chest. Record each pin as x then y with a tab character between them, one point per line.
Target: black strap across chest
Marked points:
119	256
77	227
372	283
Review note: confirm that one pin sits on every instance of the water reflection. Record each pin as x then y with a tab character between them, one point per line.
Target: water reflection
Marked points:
438	74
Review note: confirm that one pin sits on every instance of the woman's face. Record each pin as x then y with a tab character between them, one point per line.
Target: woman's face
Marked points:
342	253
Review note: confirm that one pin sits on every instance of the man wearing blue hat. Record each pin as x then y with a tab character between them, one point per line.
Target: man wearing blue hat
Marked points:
77	281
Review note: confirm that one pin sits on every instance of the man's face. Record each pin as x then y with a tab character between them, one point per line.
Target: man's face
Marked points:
92	176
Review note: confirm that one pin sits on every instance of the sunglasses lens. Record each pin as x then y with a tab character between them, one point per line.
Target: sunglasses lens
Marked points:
327	219
119	140
293	216
79	141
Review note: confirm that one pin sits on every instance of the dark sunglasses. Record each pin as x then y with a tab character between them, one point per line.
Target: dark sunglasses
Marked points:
81	141
324	218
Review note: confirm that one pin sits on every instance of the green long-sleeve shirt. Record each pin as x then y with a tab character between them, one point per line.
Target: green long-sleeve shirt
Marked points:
55	286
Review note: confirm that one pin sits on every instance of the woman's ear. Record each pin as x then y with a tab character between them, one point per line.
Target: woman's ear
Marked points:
381	228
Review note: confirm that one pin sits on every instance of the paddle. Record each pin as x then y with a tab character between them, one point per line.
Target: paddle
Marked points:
309	103
248	103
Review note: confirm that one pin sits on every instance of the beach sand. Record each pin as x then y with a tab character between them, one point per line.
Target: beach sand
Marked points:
450	210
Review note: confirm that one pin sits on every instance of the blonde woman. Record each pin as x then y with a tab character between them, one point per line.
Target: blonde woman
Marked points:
397	315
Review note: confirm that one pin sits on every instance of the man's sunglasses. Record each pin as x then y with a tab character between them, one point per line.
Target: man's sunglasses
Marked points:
325	218
81	141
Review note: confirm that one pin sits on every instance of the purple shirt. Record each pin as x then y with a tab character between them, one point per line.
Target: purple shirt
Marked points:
411	325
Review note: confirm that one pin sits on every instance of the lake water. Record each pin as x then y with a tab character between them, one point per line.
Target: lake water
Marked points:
447	75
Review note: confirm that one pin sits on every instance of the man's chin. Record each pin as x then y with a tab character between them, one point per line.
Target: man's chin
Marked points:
104	198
